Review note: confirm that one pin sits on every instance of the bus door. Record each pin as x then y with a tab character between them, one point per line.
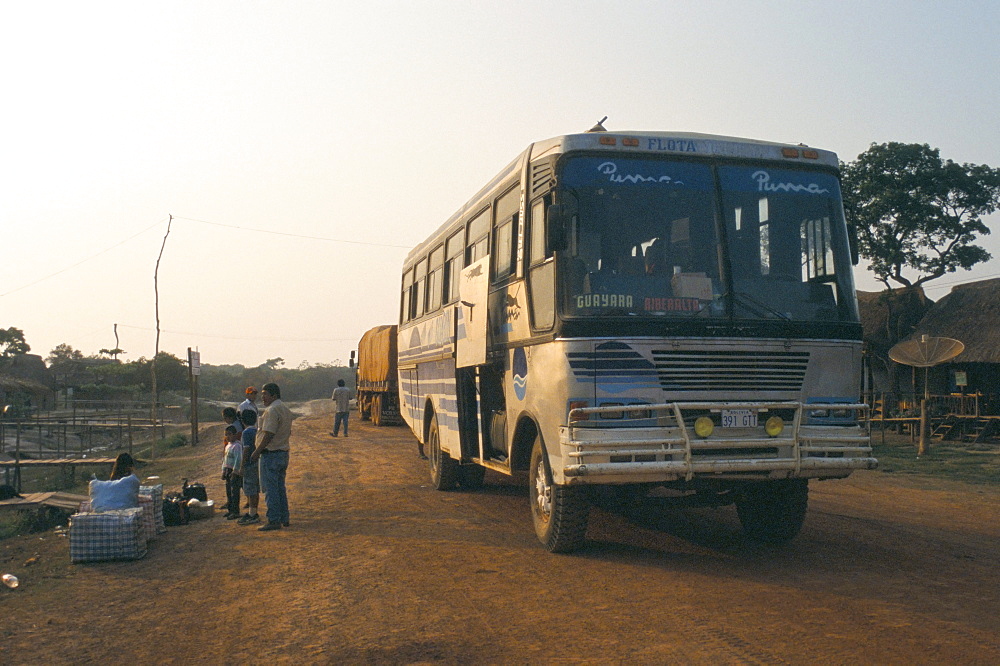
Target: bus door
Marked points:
471	326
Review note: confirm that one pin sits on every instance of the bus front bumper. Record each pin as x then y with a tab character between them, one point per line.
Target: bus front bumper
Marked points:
671	451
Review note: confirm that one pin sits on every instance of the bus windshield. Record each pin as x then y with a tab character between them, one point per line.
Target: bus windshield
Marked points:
645	241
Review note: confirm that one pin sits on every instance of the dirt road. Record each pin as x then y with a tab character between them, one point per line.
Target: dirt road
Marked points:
379	568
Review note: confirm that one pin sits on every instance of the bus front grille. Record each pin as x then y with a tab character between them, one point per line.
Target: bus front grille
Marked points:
680	371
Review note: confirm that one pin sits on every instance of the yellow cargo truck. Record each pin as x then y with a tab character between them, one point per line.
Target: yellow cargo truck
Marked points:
378	388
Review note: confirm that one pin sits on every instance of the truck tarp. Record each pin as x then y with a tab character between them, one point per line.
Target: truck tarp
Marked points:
377	355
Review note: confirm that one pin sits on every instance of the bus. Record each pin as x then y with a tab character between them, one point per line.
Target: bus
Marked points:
622	314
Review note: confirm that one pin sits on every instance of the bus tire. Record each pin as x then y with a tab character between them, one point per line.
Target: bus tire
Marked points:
444	469
559	513
773	511
377	410
363	412
470	477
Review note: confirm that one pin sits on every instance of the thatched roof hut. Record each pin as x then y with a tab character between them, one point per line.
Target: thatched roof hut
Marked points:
969	313
24	379
890	316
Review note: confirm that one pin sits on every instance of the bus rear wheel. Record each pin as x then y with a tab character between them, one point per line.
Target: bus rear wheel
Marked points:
444	469
773	511
559	513
376	409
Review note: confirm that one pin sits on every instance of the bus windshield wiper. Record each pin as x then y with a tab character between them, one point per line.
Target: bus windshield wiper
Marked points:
755	306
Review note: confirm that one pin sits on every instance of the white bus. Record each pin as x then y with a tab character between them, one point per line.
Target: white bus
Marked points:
639	311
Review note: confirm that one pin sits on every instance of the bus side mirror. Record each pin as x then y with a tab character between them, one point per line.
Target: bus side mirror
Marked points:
852	240
556	217
350	363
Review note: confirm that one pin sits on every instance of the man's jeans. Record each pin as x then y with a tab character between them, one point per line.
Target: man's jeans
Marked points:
273	466
340	417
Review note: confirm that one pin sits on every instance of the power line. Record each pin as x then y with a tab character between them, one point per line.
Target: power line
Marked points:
282	233
226	337
82	261
942	285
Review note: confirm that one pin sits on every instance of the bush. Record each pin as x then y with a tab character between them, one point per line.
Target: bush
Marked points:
173	441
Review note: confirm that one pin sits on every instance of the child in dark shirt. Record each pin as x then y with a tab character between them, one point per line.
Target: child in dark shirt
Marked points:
251	470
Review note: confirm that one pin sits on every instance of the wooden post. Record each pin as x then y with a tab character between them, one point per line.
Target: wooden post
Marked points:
17	456
194	369
922	446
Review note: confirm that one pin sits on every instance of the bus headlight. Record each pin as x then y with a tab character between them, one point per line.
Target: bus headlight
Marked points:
703	426
774	425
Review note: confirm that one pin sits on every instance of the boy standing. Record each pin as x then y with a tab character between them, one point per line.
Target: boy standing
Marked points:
251	468
232	466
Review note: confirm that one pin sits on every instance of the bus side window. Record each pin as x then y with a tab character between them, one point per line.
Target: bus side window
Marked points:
541	272
406	300
479	238
536	233
420	286
454	249
504	232
434	271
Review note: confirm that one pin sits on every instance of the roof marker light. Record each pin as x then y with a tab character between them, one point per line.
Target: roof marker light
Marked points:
631	142
810	154
789	152
608	140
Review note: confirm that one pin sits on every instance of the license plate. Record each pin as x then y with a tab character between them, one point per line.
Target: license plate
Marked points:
739	418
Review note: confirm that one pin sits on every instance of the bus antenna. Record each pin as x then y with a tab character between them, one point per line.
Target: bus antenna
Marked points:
599	127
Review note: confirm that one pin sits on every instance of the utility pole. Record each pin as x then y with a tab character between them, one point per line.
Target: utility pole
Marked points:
194	370
156	292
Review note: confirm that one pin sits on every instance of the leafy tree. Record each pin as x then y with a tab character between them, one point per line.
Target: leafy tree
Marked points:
63	356
12	342
916	212
171	372
272	363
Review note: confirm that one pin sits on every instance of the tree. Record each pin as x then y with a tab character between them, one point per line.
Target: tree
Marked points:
12	342
63	355
272	363
916	212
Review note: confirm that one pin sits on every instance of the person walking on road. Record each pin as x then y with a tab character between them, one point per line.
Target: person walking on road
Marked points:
342	404
273	435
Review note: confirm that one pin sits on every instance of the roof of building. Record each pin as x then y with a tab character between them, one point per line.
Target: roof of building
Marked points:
970	313
888	317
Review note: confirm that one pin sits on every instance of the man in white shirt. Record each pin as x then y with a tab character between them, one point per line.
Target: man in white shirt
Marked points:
342	404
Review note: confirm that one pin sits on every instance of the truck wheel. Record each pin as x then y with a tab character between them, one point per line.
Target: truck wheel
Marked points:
444	469
773	511
470	477
559	512
377	410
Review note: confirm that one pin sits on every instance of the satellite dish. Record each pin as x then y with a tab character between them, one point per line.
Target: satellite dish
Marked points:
926	352
599	127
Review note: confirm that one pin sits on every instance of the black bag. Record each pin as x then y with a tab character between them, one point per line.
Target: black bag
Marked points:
194	491
175	510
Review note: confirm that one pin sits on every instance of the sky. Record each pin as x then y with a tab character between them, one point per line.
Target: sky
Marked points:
297	150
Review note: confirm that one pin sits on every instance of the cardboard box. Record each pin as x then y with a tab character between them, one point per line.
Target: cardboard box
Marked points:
692	285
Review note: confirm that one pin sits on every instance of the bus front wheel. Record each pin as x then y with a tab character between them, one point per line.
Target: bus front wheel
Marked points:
559	513
444	469
773	511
